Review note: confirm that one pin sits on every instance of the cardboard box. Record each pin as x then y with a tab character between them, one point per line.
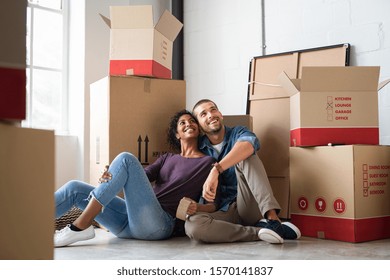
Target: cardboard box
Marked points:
239	120
13	60
137	47
131	114
269	104
334	105
26	193
341	192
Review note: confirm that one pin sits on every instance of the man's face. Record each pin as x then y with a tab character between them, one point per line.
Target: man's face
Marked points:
209	117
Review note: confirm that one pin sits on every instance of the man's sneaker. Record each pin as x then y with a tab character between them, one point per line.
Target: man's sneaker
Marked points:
272	232
290	231
270	236
66	236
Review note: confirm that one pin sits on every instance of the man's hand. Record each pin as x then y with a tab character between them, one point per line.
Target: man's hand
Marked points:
210	185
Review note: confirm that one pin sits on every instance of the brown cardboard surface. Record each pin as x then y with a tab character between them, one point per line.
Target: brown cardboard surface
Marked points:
341	187
242	120
131	114
26	193
131	17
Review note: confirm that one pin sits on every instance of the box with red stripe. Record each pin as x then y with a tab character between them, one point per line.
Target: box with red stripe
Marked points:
137	46
337	105
341	192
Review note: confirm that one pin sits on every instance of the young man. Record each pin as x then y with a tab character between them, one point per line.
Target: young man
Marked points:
245	192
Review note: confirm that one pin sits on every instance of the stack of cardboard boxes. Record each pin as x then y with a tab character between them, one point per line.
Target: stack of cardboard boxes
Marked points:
317	121
131	108
26	155
269	105
339	174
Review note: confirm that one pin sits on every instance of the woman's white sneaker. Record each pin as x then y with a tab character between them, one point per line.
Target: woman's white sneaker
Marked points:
66	236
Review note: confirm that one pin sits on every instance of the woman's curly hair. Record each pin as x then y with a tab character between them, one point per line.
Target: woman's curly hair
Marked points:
173	142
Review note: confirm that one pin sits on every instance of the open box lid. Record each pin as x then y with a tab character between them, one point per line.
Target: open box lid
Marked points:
130	17
333	79
141	17
169	26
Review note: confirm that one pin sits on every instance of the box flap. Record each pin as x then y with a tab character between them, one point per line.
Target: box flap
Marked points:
383	83
291	86
339	78
131	17
106	20
169	26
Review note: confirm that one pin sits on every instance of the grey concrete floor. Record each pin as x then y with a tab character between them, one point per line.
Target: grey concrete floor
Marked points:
105	246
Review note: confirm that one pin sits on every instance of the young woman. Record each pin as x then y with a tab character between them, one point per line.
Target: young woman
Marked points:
146	212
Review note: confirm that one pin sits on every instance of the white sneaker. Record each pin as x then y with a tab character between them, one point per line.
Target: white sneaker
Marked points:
270	236
66	236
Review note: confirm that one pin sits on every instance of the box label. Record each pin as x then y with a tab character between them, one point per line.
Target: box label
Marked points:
375	179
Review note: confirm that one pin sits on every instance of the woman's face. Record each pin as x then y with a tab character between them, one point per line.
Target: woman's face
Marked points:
187	127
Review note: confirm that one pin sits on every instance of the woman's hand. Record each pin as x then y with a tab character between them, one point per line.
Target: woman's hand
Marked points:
106	176
192	208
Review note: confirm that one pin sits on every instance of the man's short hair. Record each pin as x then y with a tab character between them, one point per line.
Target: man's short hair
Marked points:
200	102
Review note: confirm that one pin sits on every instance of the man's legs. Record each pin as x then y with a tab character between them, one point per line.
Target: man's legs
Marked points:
219	226
254	193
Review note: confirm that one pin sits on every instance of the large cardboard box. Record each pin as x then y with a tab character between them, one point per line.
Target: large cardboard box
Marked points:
131	114
334	105
137	47
13	60
341	192
26	193
269	104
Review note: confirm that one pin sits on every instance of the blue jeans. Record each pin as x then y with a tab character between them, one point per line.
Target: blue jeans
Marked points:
139	215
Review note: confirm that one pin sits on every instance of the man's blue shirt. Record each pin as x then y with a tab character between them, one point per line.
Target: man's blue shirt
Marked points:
228	179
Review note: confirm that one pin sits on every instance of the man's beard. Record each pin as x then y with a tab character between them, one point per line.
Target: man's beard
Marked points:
215	130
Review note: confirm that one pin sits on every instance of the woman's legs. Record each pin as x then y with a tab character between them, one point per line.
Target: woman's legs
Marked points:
145	217
138	216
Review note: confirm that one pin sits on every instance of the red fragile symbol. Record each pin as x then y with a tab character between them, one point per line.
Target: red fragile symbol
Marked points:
339	206
303	203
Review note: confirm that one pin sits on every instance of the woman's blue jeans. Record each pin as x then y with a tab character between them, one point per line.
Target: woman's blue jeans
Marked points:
139	215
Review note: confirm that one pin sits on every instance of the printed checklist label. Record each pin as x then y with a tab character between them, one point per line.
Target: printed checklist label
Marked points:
375	179
338	108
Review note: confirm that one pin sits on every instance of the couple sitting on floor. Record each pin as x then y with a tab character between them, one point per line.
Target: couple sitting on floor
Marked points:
220	173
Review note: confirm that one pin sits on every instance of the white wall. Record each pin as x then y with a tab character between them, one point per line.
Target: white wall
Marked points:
222	35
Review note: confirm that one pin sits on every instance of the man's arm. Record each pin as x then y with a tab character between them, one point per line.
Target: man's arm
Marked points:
240	151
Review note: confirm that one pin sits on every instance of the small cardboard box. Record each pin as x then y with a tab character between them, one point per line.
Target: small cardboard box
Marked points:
341	192
137	47
13	60
26	193
334	105
131	114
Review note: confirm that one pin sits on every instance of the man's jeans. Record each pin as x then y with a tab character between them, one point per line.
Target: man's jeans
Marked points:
139	215
254	199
